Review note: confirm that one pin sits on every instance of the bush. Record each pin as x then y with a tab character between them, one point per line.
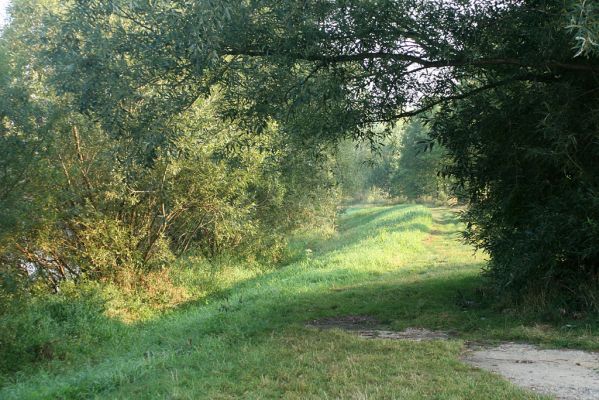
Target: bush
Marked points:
533	188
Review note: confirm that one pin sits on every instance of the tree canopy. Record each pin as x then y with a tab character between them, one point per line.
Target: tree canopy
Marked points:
512	84
372	61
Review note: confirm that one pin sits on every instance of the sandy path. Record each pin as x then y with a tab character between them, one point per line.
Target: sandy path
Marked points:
565	374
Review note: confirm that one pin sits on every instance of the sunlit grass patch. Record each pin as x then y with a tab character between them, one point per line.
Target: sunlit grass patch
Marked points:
402	265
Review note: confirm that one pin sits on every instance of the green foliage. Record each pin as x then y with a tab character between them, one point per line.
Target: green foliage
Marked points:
415	169
584	22
533	187
406	165
45	328
353	169
84	198
101	215
251	339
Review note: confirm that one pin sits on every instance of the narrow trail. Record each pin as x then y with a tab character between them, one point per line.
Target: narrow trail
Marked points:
559	373
383	309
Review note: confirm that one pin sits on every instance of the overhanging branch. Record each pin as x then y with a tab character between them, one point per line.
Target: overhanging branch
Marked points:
482	62
464	95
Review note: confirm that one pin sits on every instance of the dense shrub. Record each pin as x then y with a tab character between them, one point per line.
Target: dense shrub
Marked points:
528	160
101	212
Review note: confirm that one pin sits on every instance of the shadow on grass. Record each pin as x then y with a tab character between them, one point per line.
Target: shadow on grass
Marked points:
447	300
444	297
448	217
252	312
218	341
395	219
256	316
355	217
447	297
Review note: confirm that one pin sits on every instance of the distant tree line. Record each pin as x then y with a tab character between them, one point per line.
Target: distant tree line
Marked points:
405	167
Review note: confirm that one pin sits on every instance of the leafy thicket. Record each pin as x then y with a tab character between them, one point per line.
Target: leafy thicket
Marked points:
79	199
526	152
528	157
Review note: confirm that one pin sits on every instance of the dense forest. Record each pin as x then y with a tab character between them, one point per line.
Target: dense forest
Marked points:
147	144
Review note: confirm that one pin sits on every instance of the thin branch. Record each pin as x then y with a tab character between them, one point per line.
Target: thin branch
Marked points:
461	96
342	58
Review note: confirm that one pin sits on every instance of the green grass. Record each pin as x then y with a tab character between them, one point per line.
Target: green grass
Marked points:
400	264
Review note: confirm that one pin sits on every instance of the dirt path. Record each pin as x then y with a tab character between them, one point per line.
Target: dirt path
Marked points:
565	374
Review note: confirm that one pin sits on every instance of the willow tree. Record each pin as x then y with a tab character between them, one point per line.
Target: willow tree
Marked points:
515	82
111	200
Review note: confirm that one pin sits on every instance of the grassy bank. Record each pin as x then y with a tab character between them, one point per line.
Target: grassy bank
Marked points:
400	264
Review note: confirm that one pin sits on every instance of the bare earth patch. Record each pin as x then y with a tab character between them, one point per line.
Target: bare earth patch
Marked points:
414	334
347	322
366	327
565	374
